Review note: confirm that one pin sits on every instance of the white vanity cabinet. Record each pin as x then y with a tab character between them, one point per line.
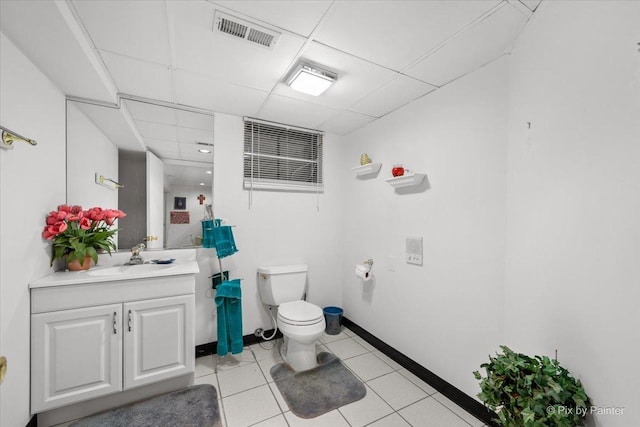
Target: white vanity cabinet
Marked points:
75	354
93	339
156	339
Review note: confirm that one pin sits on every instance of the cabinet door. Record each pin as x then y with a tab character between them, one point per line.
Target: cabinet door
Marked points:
75	355
158	339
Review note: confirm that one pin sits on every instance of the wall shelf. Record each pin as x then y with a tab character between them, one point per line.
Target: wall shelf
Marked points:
408	180
368	169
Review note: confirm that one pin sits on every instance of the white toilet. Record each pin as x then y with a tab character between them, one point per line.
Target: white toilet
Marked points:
301	323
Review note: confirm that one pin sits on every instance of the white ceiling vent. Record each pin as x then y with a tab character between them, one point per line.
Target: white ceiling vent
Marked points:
240	28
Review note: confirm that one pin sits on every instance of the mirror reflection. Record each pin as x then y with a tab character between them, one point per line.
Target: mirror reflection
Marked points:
153	161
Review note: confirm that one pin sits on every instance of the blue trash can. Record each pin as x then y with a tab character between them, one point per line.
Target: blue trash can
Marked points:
333	318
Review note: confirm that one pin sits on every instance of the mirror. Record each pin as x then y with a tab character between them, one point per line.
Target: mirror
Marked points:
152	160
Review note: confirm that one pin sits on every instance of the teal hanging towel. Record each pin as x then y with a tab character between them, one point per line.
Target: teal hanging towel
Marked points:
229	306
208	240
224	243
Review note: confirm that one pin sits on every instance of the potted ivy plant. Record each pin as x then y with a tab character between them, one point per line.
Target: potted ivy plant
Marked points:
527	391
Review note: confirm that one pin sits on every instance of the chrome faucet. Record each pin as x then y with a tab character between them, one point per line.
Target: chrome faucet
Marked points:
136	258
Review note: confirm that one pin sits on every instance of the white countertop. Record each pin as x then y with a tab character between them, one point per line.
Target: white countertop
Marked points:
115	271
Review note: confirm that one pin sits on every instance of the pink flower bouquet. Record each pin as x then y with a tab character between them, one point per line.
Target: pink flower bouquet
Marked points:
77	234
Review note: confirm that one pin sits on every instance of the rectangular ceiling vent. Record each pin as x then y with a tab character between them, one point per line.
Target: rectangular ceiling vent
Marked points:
242	29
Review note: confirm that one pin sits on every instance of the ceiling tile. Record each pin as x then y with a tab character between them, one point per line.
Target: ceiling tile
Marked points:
151	112
294	112
346	122
157	131
134	28
55	46
139	78
224	58
195	120
190	135
484	42
198	91
191	148
165	154
190	152
300	17
162	145
356	77
396	33
400	91
532	5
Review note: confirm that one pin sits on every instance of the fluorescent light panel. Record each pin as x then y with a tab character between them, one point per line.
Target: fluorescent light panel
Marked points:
310	80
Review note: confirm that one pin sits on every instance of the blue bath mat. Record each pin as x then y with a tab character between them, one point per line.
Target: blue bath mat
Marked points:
195	406
324	388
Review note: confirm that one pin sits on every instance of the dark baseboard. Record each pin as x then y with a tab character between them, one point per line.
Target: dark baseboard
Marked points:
460	398
212	347
33	422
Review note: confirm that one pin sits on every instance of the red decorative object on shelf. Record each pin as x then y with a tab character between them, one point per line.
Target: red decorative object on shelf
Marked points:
397	170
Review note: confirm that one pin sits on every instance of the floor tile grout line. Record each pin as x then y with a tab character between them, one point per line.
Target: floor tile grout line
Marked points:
399	409
451	410
224	413
418	385
267	419
247	389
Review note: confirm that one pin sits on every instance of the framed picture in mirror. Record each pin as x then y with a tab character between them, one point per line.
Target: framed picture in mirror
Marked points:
180	203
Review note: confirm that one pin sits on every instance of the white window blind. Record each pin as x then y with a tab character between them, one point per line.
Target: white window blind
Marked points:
278	157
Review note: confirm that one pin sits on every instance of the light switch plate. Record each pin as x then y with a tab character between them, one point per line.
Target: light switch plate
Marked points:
414	250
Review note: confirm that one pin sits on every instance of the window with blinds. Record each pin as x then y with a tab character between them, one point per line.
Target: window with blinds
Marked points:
282	158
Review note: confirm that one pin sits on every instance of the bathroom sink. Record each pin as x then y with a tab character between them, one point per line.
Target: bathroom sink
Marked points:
126	269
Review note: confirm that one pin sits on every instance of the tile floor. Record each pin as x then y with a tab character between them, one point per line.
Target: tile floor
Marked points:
395	397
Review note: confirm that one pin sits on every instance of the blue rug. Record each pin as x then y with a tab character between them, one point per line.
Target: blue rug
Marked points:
195	406
324	388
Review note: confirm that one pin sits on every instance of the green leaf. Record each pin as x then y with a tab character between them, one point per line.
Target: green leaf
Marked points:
528	416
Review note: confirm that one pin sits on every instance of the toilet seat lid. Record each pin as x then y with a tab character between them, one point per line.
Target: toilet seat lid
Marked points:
300	312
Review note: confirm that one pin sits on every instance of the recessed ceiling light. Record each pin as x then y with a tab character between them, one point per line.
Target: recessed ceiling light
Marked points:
310	80
202	183
209	171
204	151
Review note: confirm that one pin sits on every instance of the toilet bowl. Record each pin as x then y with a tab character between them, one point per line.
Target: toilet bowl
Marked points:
302	324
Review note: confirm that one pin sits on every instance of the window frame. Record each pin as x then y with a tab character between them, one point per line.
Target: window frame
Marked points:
270	148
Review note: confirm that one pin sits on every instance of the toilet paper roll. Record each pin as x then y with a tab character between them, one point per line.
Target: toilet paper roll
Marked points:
362	272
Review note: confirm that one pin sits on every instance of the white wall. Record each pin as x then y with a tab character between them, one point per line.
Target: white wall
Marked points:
89	152
573	265
447	314
280	228
32	182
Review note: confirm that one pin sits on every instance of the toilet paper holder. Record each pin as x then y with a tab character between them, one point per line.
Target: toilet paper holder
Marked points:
363	271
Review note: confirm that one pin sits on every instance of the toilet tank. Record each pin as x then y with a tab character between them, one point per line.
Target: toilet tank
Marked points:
278	284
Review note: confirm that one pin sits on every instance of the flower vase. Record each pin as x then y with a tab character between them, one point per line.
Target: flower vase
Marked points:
75	265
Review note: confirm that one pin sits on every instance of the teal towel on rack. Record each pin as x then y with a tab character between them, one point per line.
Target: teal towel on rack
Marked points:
224	243
229	306
208	240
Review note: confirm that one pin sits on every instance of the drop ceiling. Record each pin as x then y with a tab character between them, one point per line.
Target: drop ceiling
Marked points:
386	53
